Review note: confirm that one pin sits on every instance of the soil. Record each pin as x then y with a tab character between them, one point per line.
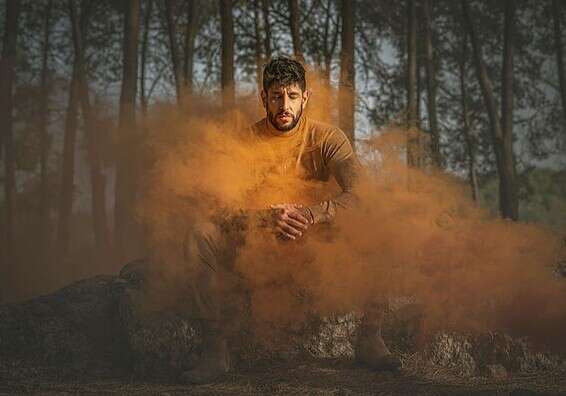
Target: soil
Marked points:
310	377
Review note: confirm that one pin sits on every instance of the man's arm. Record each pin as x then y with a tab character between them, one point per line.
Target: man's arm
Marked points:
341	160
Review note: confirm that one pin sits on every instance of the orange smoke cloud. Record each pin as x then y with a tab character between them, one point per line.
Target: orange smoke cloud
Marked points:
414	234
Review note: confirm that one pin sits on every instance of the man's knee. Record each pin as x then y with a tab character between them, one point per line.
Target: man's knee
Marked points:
202	242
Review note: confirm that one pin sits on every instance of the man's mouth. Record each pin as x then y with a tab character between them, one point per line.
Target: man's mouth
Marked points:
285	117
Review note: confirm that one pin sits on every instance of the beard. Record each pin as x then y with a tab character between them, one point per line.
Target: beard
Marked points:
273	120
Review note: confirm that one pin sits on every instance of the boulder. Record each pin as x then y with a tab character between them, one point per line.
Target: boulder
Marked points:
76	326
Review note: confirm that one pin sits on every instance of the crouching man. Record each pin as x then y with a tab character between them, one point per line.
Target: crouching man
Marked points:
312	151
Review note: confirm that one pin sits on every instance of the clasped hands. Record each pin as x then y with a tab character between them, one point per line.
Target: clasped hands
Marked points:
290	221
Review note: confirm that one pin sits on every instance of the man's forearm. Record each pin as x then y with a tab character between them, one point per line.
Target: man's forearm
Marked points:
325	211
347	173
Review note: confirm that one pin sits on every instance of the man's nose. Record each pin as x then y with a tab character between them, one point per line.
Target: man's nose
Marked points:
285	102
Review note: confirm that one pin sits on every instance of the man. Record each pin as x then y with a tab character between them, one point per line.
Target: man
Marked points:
308	150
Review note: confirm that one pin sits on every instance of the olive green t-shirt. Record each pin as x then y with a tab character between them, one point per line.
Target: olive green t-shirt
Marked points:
315	151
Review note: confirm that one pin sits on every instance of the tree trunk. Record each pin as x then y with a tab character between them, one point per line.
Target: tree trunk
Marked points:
559	56
509	200
125	227
325	74
190	35
144	51
258	49
97	178
419	88
330	43
170	8
45	204
412	115
7	78
502	138
227	77
431	86
294	21
68	168
346	93
267	29
470	141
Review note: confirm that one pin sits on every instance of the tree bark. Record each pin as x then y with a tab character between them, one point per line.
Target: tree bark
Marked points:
346	93
170	8
7	78
559	53
411	64
125	226
144	51
258	48
509	200
45	201
97	178
412	105
326	33
470	141
501	136
431	86
190	35
294	21
267	29
330	43
68	168
227	77
419	88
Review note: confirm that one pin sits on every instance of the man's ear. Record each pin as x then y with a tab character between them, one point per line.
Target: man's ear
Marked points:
264	98
306	96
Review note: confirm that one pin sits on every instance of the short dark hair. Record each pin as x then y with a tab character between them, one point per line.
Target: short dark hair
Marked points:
285	71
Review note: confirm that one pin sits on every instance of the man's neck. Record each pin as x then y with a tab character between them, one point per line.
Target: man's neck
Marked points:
276	132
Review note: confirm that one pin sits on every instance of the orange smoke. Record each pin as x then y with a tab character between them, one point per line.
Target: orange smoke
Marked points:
414	234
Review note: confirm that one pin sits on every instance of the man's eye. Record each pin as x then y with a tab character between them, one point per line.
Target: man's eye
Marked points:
294	96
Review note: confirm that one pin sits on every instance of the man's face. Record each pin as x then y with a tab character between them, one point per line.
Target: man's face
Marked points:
284	105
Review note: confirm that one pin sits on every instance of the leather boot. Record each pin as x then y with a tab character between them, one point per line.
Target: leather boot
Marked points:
215	358
370	349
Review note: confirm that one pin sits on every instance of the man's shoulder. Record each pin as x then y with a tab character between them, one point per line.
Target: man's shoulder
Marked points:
321	126
324	131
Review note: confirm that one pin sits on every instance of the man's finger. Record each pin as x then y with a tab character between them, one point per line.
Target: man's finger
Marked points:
298	216
295	223
282	232
288	228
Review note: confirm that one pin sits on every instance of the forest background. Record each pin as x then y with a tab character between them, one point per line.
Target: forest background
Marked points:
484	80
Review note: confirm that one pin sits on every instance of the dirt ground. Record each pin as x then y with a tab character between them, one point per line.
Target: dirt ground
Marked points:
316	377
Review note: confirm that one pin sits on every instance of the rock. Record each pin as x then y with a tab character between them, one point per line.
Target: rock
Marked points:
487	353
76	326
162	342
332	337
515	354
452	352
